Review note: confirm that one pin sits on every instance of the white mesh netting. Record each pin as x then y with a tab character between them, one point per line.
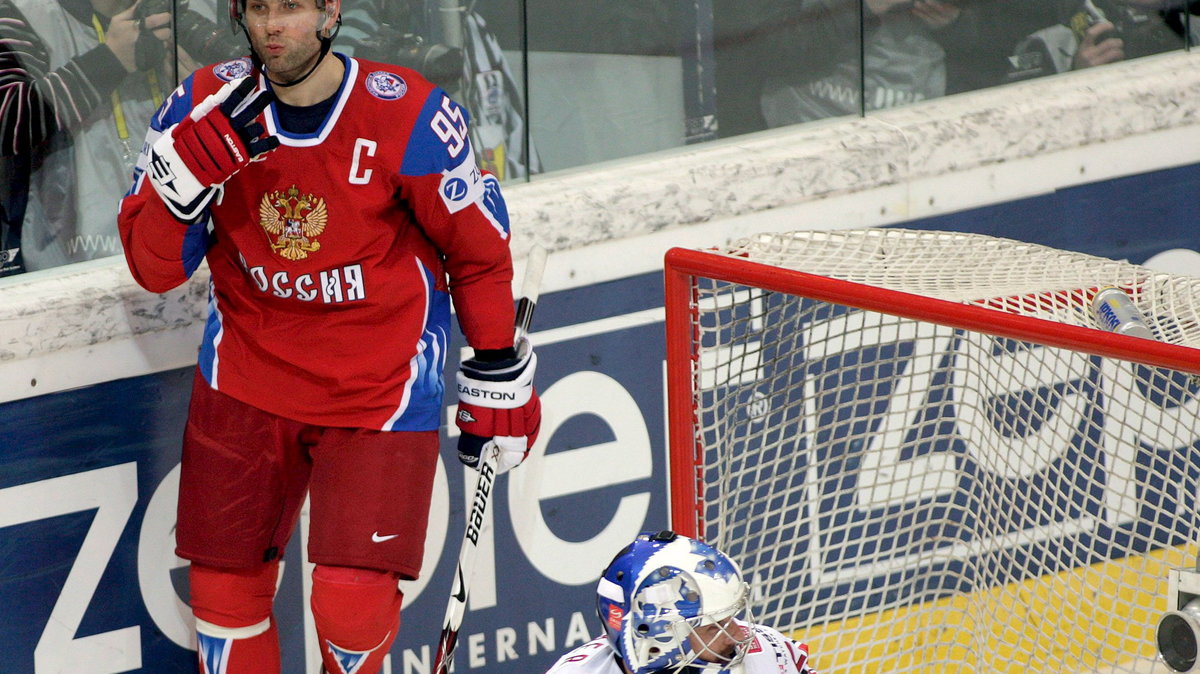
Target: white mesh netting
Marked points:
912	497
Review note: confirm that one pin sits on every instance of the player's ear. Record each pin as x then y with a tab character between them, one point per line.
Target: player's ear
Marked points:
333	15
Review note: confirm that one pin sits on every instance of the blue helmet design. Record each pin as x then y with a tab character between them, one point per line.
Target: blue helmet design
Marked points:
673	604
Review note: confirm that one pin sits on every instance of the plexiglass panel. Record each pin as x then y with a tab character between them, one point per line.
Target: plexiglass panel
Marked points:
606	79
493	83
781	63
82	78
1090	33
916	50
549	84
78	86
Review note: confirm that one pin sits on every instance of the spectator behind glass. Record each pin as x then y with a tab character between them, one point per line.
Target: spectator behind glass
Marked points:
978	45
781	63
1098	32
79	80
758	39
901	63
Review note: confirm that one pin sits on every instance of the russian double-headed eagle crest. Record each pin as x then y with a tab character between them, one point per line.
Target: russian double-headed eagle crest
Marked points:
295	220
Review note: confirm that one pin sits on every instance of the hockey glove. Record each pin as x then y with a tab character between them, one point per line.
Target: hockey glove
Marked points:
497	401
214	142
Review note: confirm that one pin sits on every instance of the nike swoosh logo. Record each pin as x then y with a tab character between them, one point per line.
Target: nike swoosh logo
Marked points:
461	593
379	539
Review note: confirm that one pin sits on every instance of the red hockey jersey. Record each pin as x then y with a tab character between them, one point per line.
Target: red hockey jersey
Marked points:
334	257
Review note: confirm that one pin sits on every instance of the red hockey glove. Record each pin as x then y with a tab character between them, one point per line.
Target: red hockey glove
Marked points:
216	140
497	401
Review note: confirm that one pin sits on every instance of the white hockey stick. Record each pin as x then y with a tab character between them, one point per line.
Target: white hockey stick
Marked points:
534	266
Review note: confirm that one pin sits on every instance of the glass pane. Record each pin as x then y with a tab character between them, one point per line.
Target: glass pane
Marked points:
78	94
1190	27
780	63
1099	32
903	60
605	79
980	41
202	34
494	85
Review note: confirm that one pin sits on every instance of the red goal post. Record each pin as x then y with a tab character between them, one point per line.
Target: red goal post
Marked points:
890	429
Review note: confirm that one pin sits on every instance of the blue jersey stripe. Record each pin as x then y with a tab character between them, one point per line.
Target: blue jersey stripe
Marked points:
212	337
195	244
428	387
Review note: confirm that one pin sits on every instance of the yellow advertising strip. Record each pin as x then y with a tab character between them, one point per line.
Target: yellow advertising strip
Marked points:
1080	620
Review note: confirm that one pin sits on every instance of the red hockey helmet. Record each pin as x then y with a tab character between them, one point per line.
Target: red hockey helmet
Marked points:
235	14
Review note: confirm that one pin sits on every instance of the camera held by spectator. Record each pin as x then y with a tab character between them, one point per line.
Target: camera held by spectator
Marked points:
201	38
1099	32
1144	26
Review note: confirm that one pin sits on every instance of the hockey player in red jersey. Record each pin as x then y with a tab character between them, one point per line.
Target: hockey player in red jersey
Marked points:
340	209
669	603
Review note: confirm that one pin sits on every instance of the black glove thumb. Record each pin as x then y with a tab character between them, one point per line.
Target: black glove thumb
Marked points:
470	448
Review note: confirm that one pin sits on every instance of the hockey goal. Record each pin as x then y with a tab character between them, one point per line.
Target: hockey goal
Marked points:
926	455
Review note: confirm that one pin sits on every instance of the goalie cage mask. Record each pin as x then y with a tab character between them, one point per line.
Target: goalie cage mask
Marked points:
665	597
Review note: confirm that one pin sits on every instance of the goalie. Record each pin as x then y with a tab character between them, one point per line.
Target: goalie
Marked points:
669	603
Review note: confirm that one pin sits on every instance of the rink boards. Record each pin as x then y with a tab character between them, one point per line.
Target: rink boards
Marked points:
88	476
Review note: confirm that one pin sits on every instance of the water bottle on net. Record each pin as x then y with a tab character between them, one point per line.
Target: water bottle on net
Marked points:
1115	311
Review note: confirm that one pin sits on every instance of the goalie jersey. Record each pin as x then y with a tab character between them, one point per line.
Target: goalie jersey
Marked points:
333	258
770	653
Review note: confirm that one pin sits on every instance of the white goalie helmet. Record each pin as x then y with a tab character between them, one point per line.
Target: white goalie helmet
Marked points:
673	604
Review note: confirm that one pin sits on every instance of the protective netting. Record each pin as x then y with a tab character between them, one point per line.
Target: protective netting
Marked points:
907	496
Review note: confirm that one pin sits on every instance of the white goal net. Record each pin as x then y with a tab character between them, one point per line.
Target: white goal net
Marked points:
926	454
